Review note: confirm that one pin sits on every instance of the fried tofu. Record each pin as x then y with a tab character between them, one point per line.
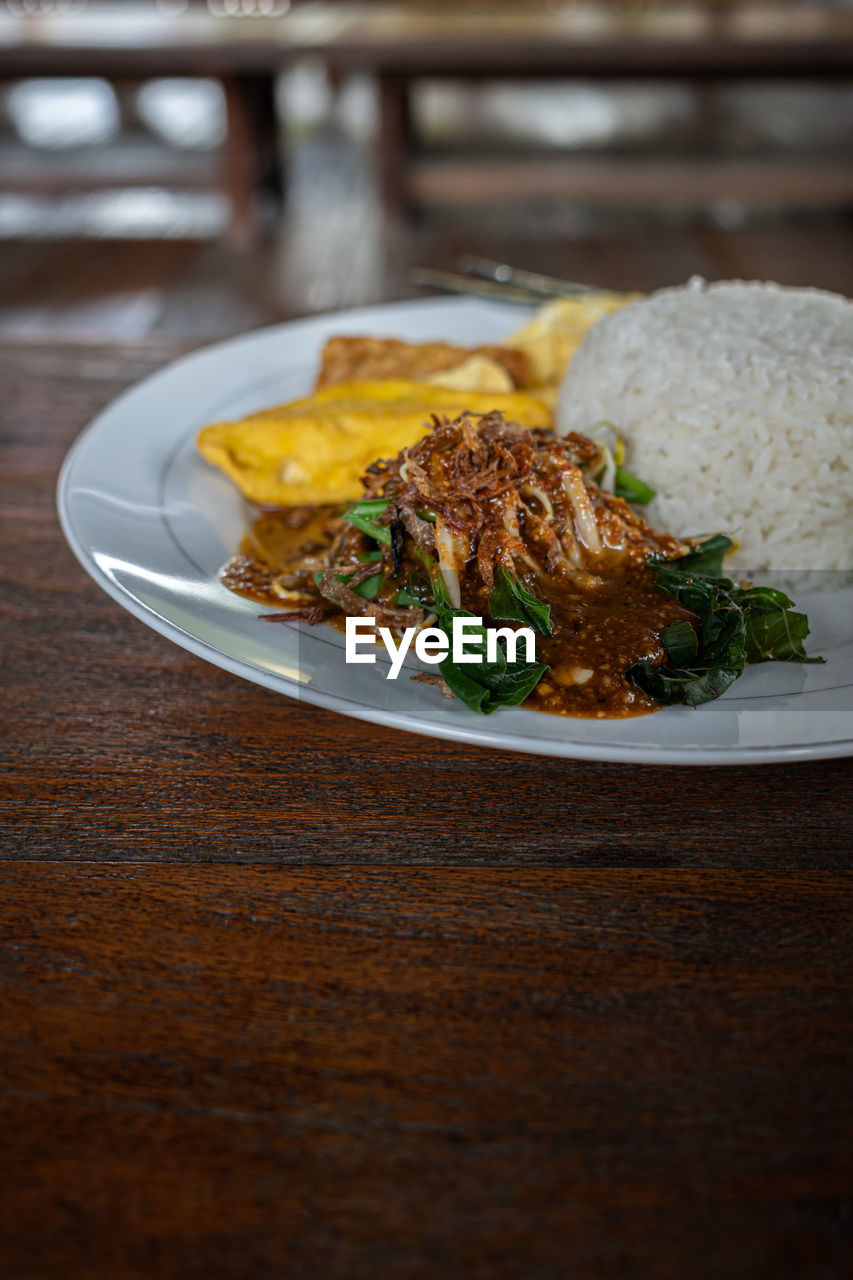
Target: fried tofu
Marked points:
358	359
475	373
314	451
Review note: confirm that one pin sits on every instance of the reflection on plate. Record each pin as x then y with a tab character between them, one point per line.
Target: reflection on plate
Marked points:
152	523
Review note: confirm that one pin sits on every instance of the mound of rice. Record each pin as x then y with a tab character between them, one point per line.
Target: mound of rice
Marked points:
735	402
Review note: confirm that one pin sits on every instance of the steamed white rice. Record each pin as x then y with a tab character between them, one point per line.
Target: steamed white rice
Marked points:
735	403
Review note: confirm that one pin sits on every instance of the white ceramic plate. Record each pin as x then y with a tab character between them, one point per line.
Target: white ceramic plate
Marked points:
152	523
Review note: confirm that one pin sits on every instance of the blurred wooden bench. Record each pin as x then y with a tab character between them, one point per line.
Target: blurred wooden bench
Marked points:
400	43
129	43
695	43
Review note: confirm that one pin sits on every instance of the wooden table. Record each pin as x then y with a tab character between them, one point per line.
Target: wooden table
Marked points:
283	994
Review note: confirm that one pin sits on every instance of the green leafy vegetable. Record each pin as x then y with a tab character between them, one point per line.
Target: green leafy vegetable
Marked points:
700	669
405	597
364	515
692	687
484	686
707	558
509	600
630	488
735	625
680	641
369	589
487	686
774	633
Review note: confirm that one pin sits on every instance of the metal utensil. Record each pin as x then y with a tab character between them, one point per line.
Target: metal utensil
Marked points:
487	279
452	282
533	282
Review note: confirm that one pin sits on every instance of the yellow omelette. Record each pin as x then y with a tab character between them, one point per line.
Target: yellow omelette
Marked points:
315	450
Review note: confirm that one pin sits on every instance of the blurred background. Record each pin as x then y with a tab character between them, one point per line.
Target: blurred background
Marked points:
193	168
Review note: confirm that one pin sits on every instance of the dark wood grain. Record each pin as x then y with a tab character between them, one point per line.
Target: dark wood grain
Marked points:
125	746
113	292
232	1072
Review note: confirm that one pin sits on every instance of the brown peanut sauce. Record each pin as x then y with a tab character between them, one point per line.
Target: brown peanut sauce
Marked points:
596	635
276	541
597	631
